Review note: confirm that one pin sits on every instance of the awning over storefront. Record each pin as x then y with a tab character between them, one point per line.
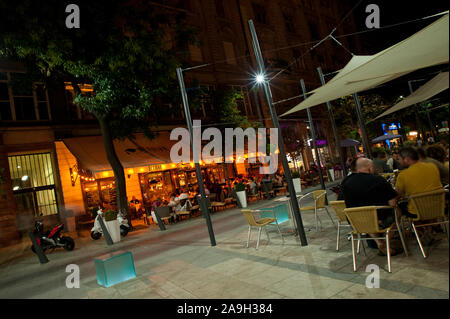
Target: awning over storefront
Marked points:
132	152
435	86
426	48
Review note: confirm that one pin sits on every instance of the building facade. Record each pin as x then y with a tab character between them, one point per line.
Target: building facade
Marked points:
44	173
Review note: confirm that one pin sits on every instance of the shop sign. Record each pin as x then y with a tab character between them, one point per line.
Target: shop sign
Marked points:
155	167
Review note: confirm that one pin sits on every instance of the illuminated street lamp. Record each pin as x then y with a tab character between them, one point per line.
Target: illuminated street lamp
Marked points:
259	78
276	124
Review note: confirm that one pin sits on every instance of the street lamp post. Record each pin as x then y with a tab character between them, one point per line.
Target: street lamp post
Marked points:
313	136
419	122
362	126
198	170
333	125
276	124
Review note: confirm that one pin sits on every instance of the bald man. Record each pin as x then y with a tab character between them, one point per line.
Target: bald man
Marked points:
364	188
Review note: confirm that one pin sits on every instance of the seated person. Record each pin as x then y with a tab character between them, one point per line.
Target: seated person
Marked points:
173	201
157	202
184	204
435	154
253	186
379	163
419	177
364	188
396	161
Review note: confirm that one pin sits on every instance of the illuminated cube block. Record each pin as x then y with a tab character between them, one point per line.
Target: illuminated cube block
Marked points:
112	269
280	211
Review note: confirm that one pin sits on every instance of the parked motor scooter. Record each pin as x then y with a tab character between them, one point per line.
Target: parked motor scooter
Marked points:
51	239
96	231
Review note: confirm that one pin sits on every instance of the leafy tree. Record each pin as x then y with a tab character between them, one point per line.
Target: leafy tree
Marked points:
372	105
121	49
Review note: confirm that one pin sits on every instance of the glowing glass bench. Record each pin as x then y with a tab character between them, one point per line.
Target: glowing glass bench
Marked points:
280	211
114	268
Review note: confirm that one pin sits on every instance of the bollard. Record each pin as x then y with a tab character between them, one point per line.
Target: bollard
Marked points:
108	238
39	252
160	222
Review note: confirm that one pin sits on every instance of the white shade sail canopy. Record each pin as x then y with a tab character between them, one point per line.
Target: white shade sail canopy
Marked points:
435	86
426	48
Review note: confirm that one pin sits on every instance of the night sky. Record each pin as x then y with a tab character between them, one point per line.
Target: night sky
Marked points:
394	12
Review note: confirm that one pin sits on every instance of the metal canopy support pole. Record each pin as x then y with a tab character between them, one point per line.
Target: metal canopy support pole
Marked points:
198	170
416	111
432	128
313	136
276	124
333	125
362	126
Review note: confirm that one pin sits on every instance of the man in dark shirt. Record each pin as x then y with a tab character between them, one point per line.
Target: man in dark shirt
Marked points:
364	188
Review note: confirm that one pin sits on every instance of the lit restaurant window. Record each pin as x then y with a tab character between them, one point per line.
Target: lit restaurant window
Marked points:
33	182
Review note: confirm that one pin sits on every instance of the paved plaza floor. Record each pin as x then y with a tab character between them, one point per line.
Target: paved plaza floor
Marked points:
180	263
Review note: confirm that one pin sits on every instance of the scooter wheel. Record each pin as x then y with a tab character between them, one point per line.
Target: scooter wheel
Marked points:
95	235
123	230
69	244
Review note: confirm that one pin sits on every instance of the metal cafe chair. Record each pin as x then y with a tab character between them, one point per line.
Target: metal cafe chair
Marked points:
319	203
260	223
429	206
364	220
339	206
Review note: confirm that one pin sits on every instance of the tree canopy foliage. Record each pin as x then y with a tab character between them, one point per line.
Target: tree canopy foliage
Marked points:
122	49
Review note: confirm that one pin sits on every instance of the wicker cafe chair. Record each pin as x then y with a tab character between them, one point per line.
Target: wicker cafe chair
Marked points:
364	220
339	206
260	223
319	203
429	206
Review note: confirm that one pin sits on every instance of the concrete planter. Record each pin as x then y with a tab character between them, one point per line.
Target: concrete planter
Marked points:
114	230
242	198
297	185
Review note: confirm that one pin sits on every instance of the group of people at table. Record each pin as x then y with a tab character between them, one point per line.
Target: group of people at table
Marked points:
185	200
416	170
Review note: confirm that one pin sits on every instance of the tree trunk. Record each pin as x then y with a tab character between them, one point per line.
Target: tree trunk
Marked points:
121	191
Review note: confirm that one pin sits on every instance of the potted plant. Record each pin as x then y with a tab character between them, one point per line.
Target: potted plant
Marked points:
240	193
296	182
112	224
330	169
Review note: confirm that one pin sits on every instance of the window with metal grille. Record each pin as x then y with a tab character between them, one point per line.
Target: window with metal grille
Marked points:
33	182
